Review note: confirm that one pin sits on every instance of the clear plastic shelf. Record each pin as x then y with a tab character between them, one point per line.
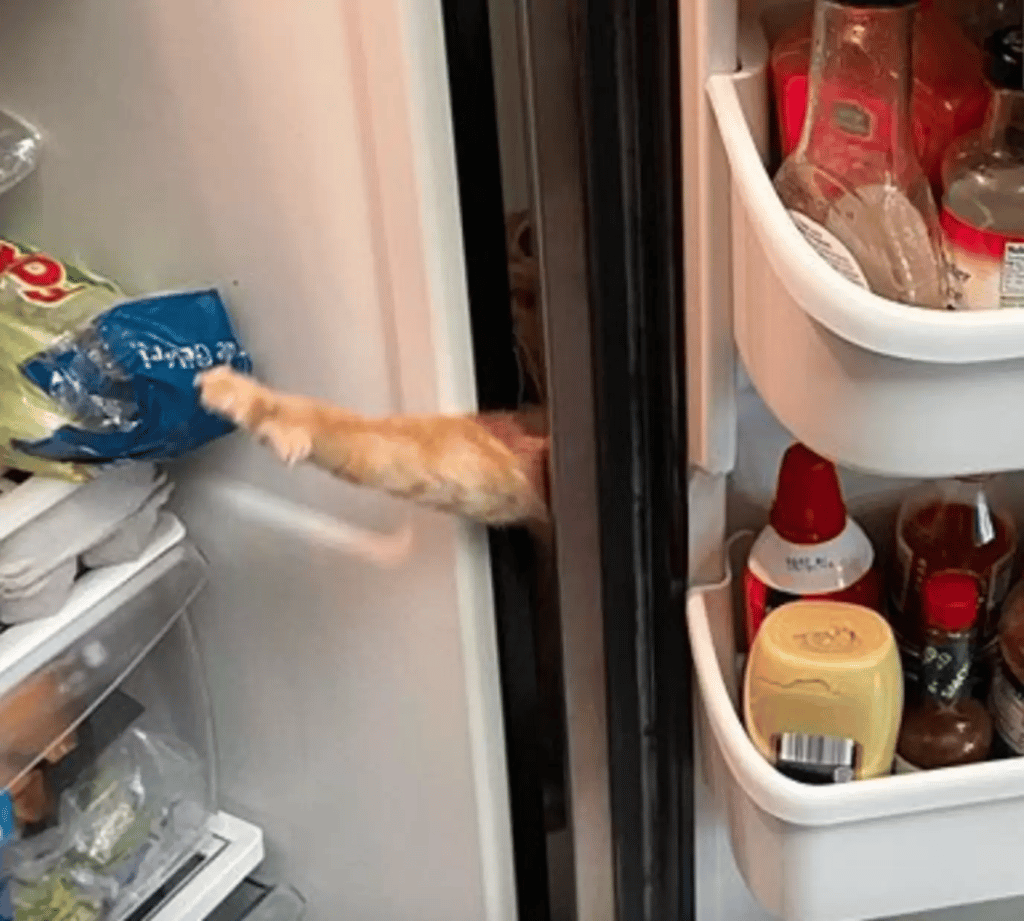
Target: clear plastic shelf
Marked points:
55	671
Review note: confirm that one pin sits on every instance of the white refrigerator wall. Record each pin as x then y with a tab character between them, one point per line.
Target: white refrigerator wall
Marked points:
298	156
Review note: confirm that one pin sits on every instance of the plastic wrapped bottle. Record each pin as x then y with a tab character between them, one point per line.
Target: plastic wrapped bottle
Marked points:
948	98
854	185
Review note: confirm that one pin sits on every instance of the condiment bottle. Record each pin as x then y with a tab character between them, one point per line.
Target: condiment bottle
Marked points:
1006	700
943	725
853	184
956	524
811	547
948	98
983	205
823	681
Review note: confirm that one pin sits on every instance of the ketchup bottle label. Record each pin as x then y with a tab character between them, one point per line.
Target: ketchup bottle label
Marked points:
1007	706
988	265
779	572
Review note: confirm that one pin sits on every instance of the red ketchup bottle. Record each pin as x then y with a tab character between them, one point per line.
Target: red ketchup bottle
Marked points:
950	95
811	547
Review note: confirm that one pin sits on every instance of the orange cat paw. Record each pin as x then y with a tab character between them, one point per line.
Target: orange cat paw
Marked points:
291	442
235	396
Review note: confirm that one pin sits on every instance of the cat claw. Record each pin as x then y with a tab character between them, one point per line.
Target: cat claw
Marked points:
292	444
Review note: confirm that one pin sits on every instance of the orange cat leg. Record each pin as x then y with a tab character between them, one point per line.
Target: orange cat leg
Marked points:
491	468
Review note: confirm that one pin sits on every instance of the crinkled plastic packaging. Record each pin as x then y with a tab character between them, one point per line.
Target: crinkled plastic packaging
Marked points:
122	829
89	376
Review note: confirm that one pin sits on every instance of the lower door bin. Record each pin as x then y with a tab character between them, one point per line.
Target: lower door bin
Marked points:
868	849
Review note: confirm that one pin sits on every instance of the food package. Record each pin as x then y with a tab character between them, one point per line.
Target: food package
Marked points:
32	716
104	519
122	828
89	376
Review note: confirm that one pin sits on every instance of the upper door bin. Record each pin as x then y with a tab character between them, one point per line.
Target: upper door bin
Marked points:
873	384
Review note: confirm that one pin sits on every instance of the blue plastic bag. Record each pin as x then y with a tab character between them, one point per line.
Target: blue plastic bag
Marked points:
128	380
90	377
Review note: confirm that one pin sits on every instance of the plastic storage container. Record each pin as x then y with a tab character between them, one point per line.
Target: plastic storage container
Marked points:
897	390
124	635
868	849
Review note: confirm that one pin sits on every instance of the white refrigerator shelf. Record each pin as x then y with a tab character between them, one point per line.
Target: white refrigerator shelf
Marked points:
24	648
231	851
915	841
876	385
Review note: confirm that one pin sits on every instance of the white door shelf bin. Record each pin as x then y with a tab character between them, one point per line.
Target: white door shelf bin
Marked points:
876	385
868	849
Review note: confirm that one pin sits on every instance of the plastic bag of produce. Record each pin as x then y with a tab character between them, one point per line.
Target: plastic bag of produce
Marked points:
89	376
123	828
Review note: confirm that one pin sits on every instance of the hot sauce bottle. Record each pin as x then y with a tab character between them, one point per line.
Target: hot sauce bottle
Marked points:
943	724
950	524
949	94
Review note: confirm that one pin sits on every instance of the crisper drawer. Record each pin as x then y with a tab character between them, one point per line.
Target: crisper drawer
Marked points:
54	671
869	849
880	386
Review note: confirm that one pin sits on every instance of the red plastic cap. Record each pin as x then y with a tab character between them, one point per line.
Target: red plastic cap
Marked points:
808	506
950	600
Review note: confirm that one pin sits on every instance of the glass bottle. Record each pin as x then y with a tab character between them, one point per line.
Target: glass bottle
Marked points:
853	185
948	98
983	205
944	725
958	524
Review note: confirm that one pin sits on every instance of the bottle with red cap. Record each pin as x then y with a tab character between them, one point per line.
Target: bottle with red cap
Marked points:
811	548
943	724
961	524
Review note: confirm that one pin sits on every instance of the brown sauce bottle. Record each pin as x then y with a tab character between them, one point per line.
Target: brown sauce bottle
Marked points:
951	524
944	725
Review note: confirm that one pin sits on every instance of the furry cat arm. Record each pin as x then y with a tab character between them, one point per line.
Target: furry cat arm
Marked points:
491	467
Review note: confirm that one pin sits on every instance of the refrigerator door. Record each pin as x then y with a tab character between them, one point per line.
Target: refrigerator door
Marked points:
600	136
299	158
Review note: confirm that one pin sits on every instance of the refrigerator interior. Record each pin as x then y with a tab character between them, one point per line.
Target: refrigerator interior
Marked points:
299	158
735	439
